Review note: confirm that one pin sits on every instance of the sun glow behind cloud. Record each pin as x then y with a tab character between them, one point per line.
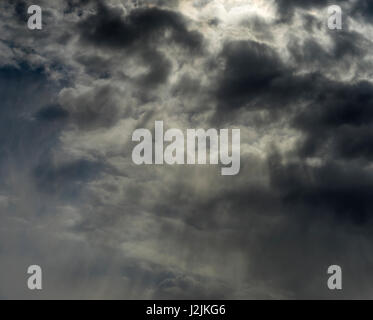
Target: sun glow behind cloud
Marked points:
228	10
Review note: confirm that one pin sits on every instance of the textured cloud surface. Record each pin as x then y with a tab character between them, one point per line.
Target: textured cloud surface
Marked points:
72	201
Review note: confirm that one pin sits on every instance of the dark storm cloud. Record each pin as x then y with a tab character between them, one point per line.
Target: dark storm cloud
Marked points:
76	5
144	27
140	34
255	78
250	69
363	9
20	10
338	123
344	192
51	113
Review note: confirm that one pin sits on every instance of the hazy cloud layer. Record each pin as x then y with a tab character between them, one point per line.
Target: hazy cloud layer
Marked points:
72	201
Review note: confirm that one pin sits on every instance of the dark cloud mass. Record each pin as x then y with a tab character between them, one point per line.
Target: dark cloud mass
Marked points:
250	70
73	202
109	28
341	118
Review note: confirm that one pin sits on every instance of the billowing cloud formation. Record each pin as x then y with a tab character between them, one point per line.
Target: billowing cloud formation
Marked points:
72	201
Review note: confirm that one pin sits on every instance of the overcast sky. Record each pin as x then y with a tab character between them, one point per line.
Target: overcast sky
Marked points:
73	202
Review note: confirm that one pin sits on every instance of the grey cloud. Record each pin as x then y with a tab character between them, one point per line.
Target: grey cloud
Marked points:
109	28
91	109
72	201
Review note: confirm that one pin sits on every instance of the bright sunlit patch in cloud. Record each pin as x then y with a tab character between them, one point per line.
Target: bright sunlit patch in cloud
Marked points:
225	10
262	8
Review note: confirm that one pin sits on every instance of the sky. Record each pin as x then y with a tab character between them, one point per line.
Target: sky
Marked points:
101	227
